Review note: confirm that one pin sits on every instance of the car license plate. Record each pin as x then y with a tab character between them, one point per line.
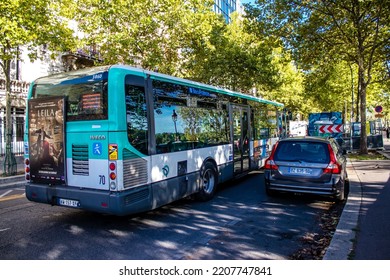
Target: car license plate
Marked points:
297	170
69	202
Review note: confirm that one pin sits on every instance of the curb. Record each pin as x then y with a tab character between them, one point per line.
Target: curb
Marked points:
12	181
387	155
343	239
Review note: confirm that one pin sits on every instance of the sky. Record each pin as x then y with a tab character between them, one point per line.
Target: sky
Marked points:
247	1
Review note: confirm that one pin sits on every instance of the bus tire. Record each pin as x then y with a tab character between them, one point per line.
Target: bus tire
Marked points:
208	182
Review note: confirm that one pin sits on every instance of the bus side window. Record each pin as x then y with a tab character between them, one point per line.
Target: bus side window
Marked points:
136	113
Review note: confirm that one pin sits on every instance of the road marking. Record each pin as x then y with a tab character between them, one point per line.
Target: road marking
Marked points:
4	229
4	194
11	197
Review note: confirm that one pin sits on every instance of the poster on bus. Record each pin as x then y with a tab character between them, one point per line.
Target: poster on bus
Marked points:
46	129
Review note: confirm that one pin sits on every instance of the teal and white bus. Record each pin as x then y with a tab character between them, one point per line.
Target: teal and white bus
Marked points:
122	140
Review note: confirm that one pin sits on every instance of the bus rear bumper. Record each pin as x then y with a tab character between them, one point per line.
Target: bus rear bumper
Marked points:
117	203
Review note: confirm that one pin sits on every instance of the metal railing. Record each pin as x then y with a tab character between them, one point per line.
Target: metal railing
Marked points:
17	143
17	148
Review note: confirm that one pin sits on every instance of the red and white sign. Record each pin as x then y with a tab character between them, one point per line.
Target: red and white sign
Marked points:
331	128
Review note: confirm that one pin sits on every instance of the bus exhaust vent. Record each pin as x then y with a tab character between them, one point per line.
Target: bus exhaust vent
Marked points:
137	196
135	170
80	160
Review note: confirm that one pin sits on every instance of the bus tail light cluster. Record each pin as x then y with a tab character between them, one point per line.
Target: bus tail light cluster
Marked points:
112	175
27	169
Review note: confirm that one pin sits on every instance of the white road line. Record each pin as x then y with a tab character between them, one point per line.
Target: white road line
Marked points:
4	194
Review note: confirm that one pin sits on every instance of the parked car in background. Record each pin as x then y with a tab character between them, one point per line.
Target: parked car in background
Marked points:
310	165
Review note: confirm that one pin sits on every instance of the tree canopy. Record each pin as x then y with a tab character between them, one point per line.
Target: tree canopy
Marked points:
29	24
324	32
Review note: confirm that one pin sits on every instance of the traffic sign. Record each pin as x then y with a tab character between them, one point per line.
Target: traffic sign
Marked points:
331	128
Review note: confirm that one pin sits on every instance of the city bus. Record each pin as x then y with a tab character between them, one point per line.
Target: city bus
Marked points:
123	140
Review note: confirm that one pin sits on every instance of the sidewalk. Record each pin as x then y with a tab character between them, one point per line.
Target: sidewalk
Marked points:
363	230
14	181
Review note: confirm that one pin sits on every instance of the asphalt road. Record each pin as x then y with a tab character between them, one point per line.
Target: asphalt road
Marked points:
240	223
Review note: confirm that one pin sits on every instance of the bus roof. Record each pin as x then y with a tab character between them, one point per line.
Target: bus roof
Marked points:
63	77
187	82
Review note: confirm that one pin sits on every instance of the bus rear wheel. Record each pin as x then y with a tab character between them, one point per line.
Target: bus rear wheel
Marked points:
208	182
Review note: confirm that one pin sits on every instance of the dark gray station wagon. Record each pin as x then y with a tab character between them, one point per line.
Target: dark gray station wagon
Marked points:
307	165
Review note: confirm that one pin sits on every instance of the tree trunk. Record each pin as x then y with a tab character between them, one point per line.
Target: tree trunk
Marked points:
9	167
362	93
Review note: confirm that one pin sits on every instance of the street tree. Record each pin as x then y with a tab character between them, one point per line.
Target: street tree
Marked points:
155	35
290	88
330	86
181	38
322	32
28	25
235	59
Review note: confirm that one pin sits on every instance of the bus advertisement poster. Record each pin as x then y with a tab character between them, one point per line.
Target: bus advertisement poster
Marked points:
46	139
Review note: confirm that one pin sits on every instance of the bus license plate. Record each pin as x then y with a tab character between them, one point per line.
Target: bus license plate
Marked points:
295	170
68	202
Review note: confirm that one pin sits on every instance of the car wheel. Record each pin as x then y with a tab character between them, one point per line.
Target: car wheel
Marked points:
208	182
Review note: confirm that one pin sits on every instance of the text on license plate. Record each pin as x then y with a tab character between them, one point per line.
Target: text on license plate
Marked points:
68	202
297	170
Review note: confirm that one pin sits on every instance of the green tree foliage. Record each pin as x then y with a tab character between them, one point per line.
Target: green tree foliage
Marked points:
236	59
157	35
328	32
329	86
181	38
290	89
28	24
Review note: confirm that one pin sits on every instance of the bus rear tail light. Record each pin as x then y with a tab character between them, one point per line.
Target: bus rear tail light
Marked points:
112	176
112	166
27	169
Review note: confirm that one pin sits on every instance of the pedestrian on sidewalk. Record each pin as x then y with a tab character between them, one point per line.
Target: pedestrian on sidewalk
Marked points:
388	132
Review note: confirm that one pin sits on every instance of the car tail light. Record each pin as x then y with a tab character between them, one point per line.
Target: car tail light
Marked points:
333	167
270	163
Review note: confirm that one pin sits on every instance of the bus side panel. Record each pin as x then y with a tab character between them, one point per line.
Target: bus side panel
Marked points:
260	152
176	175
167	191
166	166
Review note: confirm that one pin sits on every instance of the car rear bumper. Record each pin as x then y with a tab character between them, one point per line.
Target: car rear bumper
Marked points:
333	188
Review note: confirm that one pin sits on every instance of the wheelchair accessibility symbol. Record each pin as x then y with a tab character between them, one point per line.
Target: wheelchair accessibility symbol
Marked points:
97	149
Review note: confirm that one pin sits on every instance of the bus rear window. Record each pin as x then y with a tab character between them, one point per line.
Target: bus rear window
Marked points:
86	95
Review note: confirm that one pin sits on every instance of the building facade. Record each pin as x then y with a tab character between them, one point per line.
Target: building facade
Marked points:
226	7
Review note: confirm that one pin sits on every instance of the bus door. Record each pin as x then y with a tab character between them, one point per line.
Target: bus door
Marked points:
240	123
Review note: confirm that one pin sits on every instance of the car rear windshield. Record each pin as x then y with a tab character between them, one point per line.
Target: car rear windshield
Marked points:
314	152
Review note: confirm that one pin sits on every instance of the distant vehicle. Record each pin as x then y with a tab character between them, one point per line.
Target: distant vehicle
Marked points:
310	165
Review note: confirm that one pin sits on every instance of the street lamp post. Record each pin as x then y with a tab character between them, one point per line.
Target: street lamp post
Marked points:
174	119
